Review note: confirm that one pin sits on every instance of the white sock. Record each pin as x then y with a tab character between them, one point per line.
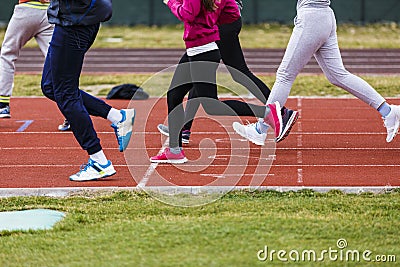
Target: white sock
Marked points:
114	116
99	157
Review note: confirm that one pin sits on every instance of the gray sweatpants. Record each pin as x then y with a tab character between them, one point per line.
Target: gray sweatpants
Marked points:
26	23
315	34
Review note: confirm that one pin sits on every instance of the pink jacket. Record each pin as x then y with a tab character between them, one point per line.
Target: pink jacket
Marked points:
201	26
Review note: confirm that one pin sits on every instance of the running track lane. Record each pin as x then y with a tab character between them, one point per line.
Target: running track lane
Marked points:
335	143
375	61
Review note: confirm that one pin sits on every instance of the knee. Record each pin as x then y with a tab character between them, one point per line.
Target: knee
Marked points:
285	76
47	90
338	78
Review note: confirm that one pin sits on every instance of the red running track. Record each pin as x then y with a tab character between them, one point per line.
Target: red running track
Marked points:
336	143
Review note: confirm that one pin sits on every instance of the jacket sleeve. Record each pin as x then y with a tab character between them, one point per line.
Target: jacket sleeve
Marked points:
229	13
185	10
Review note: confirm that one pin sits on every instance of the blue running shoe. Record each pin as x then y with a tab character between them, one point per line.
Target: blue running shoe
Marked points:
93	171
5	112
123	129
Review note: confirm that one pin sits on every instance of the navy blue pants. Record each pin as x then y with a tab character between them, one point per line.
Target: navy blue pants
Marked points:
60	82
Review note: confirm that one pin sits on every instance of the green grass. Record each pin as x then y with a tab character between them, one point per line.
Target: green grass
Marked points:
305	85
132	229
252	36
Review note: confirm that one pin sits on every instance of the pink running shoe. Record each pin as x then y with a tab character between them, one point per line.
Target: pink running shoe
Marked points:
168	157
274	119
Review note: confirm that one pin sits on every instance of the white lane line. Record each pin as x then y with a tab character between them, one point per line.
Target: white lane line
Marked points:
220	176
300	176
207	165
151	168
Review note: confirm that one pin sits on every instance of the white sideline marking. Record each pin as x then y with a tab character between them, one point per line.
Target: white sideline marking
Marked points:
67	191
300	176
299	143
219	176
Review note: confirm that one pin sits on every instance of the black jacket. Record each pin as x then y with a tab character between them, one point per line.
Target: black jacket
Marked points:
79	12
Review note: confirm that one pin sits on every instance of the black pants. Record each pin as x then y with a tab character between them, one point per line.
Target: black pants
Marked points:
197	74
232	56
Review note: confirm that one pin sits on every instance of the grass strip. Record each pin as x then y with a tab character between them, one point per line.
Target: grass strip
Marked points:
305	85
133	229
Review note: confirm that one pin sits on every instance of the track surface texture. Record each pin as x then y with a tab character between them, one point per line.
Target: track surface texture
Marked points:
336	143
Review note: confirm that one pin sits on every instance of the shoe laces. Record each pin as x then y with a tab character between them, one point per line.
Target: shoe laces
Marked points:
85	166
251	124
65	123
117	127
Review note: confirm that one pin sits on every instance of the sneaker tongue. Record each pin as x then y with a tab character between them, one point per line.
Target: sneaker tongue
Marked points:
123	113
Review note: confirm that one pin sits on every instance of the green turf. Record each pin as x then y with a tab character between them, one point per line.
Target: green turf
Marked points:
305	85
132	229
252	36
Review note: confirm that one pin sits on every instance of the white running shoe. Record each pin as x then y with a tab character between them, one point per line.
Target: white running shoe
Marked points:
93	171
392	122
250	132
65	126
165	131
123	129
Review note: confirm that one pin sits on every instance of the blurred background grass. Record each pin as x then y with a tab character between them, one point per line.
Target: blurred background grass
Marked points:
268	35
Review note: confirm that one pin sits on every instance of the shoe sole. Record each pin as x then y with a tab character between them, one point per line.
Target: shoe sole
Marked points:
245	136
289	125
94	179
5	116
173	161
63	129
184	141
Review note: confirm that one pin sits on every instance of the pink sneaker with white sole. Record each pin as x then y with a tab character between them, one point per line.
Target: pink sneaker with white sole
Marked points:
167	157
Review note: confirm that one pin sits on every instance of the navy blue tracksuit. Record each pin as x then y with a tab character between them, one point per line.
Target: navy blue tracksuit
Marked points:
76	25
